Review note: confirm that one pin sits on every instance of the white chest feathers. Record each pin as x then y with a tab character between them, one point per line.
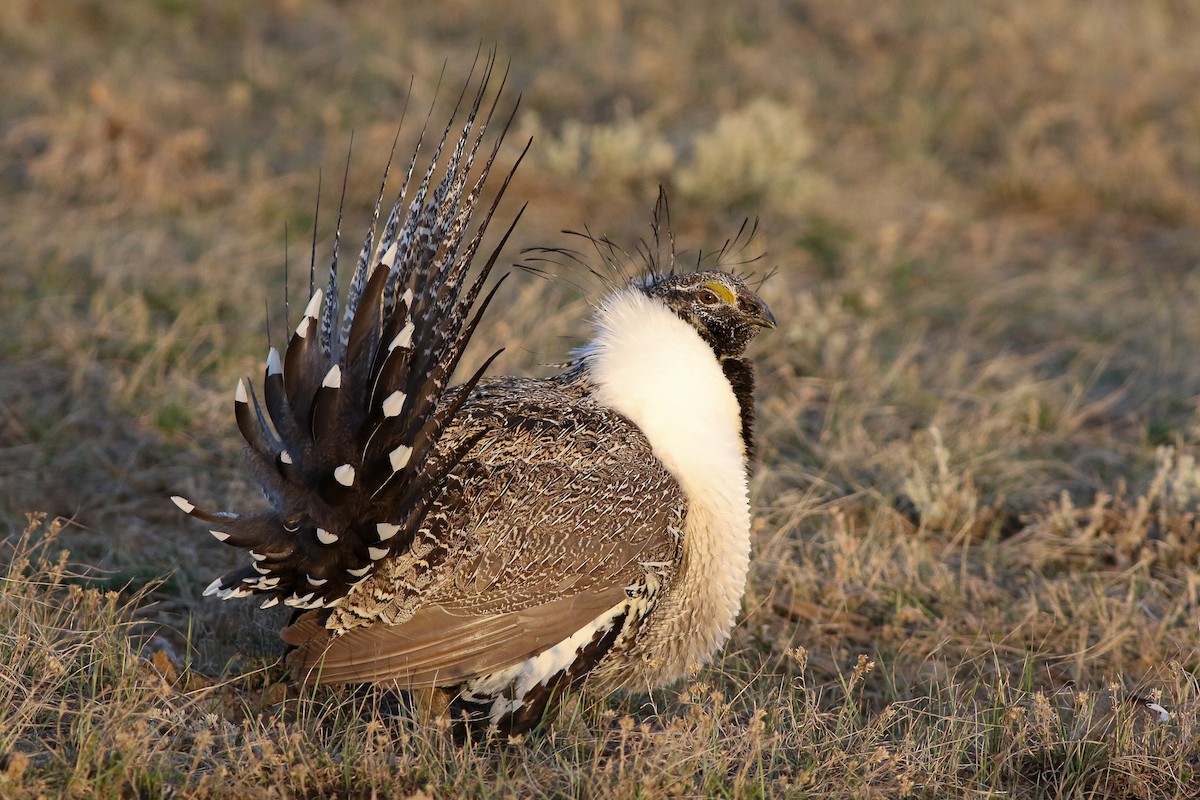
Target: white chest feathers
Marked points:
653	368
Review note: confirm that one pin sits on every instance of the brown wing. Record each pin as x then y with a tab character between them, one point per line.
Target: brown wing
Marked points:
561	507
436	647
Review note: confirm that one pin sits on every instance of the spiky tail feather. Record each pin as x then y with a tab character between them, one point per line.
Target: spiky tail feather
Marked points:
345	450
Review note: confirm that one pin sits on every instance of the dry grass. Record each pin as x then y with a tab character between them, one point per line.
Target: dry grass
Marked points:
979	490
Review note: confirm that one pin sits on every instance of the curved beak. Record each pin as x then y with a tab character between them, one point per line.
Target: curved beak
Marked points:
758	313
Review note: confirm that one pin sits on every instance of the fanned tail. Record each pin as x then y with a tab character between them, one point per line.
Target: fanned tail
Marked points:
344	439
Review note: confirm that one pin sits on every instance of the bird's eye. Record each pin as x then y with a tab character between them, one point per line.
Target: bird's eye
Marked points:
708	297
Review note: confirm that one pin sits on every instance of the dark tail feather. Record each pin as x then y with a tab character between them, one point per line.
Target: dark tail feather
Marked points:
347	449
362	269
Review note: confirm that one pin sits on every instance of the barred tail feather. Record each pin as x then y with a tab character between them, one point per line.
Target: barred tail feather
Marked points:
358	281
345	441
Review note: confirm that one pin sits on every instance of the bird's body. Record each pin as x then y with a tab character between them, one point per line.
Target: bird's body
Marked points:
503	540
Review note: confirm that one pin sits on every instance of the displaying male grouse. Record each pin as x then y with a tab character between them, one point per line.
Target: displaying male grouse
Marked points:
502	540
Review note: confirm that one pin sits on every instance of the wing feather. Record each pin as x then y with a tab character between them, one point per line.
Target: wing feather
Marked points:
561	508
437	647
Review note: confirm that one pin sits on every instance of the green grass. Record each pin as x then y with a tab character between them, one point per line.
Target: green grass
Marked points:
977	500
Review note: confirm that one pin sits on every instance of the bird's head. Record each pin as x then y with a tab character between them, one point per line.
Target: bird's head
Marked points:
719	305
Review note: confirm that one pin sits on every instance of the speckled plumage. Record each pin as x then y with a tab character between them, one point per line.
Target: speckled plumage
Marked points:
509	538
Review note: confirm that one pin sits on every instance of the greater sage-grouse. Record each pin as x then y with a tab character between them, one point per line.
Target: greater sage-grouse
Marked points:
502	540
